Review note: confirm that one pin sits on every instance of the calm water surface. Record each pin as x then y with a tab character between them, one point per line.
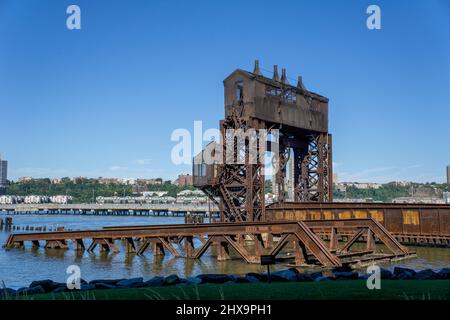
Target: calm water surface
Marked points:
18	267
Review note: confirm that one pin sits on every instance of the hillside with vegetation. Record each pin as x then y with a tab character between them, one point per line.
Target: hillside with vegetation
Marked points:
86	190
388	192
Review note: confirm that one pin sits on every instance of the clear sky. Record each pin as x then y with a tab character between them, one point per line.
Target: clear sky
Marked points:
104	100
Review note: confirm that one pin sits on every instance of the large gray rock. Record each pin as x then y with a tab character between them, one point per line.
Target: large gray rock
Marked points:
6	293
344	268
100	285
303	277
60	289
30	291
345	275
385	274
322	279
215	278
58	284
193	281
444	274
106	281
172	280
426	274
363	276
87	286
260	276
249	278
284	276
154	282
404	273
243	280
131	283
316	275
47	285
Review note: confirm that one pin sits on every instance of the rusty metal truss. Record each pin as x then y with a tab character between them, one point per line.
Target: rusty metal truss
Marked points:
313	181
247	240
254	102
240	184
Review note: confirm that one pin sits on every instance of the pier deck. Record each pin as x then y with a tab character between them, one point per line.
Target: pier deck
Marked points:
266	237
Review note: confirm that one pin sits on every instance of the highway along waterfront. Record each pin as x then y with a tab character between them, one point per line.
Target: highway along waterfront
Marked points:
19	267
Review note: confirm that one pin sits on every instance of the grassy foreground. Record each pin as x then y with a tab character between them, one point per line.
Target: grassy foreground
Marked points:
333	290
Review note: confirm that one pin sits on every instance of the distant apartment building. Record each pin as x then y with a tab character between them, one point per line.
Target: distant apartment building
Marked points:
149	194
184	180
77	180
429	200
3	175
24	179
61	199
108	181
358	185
446	197
10	199
36	199
288	184
403	183
335	178
157	181
341	187
128	181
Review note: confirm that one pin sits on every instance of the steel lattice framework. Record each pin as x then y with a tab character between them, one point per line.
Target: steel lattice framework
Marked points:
253	103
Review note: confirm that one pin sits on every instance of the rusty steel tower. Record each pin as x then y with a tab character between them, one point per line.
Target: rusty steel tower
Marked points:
255	103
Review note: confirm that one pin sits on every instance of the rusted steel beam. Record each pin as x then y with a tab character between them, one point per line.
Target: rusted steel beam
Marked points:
354	254
80	244
259	244
301	254
158	249
223	251
334	239
130	245
317	248
168	246
56	244
242	251
201	251
379	231
143	247
352	205
280	245
106	245
353	240
370	244
189	248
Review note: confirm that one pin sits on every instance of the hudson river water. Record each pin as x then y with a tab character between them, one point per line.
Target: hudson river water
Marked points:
18	267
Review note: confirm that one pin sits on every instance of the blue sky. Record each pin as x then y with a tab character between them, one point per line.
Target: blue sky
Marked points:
104	100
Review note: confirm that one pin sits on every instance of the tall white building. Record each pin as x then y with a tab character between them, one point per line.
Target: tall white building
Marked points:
288	182
3	174
448	175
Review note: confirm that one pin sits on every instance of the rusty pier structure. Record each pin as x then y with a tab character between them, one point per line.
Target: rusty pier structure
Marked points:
304	227
250	240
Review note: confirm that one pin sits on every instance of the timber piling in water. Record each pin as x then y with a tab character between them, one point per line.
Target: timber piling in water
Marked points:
139	210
